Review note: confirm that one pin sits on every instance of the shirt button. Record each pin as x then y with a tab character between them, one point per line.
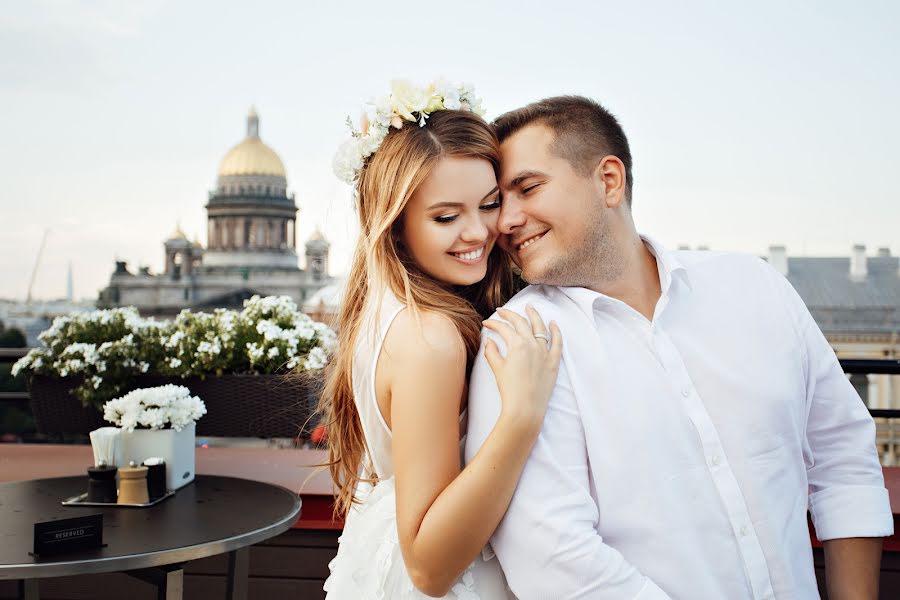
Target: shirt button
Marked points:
715	460
686	391
744	530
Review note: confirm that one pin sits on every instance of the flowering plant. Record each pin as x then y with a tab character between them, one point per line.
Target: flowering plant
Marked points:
269	335
155	408
110	347
407	102
104	347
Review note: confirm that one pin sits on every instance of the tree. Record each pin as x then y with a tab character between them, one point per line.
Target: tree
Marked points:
12	338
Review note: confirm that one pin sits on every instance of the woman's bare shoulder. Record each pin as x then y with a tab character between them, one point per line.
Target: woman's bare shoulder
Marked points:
432	340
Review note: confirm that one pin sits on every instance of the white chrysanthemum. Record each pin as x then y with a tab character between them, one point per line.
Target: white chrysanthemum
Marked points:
155	408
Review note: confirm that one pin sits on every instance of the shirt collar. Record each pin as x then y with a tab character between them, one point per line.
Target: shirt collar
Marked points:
670	269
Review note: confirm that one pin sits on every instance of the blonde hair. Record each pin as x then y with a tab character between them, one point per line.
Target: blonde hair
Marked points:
387	181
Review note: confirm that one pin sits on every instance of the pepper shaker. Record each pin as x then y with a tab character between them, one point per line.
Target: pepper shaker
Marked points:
156	477
102	483
133	485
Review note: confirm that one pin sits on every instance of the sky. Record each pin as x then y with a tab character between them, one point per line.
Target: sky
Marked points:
750	123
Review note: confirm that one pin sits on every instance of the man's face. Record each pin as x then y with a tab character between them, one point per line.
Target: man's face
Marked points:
552	219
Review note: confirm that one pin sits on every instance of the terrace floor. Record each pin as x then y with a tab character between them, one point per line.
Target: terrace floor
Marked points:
294	564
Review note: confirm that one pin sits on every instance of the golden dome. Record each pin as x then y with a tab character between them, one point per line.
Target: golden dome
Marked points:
251	156
178	234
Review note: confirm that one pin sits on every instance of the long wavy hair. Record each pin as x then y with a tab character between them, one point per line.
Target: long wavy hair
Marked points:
387	181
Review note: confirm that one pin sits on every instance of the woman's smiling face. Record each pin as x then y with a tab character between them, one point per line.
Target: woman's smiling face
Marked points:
450	222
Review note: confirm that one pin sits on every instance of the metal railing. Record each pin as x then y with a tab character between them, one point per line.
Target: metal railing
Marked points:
866	366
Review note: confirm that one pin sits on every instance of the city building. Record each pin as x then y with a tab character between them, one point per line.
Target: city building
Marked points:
251	244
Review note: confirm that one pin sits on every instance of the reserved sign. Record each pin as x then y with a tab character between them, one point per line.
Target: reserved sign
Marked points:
68	535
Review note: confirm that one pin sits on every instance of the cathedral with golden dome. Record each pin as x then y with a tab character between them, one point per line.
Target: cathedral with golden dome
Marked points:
251	244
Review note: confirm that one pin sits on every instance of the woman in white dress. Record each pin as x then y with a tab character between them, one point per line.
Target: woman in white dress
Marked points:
425	273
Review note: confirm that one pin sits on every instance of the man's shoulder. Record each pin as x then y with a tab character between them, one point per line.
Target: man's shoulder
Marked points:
719	265
705	259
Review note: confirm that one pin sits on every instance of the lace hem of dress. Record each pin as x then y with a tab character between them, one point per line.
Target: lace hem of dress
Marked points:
368	564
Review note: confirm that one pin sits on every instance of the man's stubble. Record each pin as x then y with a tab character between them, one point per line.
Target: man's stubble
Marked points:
593	259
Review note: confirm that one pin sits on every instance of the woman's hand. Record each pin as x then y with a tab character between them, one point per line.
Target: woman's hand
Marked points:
527	374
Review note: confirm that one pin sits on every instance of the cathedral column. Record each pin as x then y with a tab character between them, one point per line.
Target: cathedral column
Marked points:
170	262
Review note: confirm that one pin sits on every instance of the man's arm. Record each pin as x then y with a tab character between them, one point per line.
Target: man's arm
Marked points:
547	542
852	567
848	501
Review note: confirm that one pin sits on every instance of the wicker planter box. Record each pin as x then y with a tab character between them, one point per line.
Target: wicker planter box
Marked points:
236	405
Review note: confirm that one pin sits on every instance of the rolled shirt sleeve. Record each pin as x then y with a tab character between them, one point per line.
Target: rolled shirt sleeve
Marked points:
847	497
548	543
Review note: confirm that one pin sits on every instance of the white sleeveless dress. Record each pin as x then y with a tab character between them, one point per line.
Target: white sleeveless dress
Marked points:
368	564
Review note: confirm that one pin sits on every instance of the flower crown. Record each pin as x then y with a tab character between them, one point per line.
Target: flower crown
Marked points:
407	102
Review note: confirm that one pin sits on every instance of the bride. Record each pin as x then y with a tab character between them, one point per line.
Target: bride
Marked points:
425	273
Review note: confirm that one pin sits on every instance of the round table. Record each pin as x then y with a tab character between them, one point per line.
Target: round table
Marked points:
210	516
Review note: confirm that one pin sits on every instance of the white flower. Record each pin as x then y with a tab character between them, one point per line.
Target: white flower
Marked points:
315	360
408	99
407	102
174	339
380	112
254	352
326	336
155	408
23	363
273	352
348	161
449	93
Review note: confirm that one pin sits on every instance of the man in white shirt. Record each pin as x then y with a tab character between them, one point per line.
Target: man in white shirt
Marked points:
699	412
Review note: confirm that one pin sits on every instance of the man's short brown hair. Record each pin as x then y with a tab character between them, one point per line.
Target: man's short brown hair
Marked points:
585	132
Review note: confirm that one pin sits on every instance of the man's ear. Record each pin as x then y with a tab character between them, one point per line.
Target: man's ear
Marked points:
610	176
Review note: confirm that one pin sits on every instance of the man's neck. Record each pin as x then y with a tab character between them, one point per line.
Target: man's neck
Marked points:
638	283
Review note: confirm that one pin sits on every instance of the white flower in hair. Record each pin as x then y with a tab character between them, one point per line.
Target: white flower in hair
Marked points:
348	160
407	102
450	93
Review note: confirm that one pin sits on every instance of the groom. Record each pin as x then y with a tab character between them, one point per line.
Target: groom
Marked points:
699	411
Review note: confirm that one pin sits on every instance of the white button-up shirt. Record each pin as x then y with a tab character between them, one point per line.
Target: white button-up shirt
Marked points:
679	455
